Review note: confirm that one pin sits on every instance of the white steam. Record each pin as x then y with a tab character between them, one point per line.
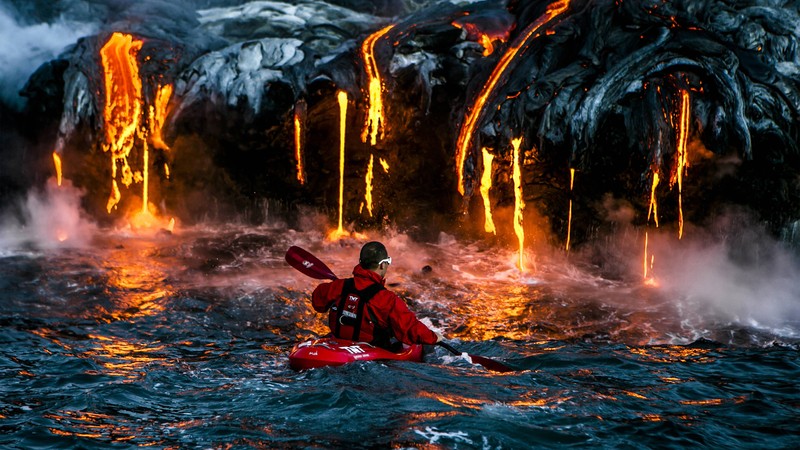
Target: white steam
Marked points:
750	281
24	48
51	219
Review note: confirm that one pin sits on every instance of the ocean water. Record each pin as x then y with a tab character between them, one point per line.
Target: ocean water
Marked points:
181	341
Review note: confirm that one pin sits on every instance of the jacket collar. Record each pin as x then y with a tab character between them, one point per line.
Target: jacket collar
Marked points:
361	272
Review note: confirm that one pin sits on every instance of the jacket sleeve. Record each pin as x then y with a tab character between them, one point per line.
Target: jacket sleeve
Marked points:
404	323
325	294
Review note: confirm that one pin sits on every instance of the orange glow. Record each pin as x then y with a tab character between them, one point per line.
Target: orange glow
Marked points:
653	208
519	203
57	164
486	42
475	113
384	164
569	216
146	178
644	263
375	120
61	235
298	142
166	170
341	97
683	135
485	38
158	115
123	100
368	179
486	184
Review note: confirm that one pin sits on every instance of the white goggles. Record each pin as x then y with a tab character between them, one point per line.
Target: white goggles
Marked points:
387	260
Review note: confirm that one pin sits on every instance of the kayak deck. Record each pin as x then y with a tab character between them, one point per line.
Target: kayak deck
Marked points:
330	351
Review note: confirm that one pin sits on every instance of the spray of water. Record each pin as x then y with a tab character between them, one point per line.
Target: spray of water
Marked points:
50	219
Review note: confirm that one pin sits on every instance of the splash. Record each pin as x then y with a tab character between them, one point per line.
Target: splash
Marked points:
475	114
486	185
519	203
123	106
373	126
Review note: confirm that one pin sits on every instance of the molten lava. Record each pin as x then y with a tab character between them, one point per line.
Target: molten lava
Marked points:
374	123
158	116
653	207
475	114
683	136
519	203
341	97
57	165
299	113
368	180
486	184
569	216
123	105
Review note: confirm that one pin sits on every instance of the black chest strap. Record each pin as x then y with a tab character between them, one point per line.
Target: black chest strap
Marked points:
364	296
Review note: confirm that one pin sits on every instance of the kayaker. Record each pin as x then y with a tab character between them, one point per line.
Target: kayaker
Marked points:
362	309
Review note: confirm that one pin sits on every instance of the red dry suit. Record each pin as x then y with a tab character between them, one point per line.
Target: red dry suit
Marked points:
382	315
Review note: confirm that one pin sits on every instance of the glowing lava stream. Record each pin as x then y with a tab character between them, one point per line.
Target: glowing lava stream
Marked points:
519	203
475	113
299	111
653	208
341	96
486	184
57	164
374	121
683	136
122	111
368	180
569	217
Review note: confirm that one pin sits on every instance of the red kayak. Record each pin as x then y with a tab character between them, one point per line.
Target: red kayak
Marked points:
332	351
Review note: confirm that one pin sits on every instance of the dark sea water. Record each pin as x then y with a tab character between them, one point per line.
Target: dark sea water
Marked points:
181	341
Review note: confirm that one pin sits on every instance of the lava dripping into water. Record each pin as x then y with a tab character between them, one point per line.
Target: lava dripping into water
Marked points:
475	113
519	203
57	165
368	182
299	114
341	97
683	136
122	111
486	185
569	216
374	123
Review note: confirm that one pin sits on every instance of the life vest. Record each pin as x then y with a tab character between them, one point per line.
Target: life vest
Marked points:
351	319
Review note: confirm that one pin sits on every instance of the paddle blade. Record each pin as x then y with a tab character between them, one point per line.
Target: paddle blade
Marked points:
490	364
308	264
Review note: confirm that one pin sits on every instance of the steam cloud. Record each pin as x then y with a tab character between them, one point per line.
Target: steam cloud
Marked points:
23	48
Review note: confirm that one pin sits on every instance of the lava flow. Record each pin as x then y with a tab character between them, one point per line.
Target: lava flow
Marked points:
677	176
123	106
341	97
373	126
519	203
486	184
475	114
569	216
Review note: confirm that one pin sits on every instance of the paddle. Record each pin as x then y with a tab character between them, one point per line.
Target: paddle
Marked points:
309	265
494	366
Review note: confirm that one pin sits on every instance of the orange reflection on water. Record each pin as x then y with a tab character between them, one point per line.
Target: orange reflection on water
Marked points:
673	354
91	425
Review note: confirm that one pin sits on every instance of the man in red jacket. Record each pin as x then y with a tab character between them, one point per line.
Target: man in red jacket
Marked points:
361	309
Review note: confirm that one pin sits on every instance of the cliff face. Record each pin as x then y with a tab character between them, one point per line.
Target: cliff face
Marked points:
702	96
